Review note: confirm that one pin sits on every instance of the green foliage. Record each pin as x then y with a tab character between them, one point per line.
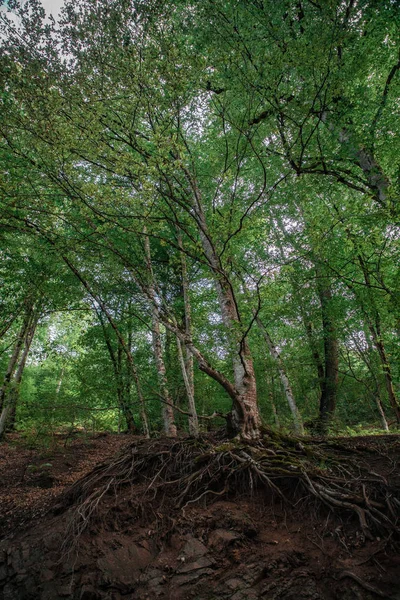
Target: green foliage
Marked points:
278	119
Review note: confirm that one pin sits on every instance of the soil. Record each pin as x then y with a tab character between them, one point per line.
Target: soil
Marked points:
32	475
135	545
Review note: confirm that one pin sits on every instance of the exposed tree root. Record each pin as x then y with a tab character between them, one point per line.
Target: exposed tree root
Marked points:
186	471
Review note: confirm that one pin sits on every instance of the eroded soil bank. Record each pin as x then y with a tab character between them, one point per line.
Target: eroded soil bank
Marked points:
241	541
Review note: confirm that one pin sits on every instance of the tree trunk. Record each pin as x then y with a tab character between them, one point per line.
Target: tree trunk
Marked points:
124	390
377	392
187	361
315	354
59	384
246	421
116	360
297	420
375	329
187	314
273	405
374	322
132	368
168	410
193	420
12	363
10	401
378	341
331	357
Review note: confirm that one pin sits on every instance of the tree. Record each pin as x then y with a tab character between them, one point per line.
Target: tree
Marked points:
144	141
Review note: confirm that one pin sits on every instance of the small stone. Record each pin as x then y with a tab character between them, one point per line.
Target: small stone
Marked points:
220	538
235	584
200	563
194	548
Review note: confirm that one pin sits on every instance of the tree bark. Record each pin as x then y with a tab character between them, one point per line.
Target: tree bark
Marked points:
377	392
246	421
10	401
187	314
193	420
375	329
12	363
331	356
374	322
167	411
187	361
297	420
116	361
135	375
378	342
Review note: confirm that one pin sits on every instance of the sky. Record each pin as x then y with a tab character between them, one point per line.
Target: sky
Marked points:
52	6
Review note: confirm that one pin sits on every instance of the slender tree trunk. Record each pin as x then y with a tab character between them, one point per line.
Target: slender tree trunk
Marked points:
273	405
247	423
377	392
5	326
381	411
331	355
187	361
168	410
187	314
380	185
123	390
12	363
59	384
10	402
378	342
374	326
315	354
246	420
193	420
132	369
297	420
116	360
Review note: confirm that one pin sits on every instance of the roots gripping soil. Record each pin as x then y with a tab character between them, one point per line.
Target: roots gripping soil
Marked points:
184	472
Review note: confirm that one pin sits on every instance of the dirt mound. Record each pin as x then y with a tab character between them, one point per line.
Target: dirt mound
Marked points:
31	477
178	520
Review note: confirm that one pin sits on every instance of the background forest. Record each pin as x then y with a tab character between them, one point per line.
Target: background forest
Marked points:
199	211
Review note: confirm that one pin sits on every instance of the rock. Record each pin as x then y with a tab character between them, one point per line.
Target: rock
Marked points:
123	566
194	548
200	563
235	584
186	578
220	538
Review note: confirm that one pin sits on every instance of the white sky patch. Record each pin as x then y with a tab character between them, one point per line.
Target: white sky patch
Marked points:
52	7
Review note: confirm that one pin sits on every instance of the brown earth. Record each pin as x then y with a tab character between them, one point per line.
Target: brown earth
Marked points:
137	546
33	475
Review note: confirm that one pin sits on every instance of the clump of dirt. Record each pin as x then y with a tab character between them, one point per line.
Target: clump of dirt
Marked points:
189	519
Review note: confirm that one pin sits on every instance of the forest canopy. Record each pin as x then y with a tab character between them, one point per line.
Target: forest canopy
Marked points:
199	217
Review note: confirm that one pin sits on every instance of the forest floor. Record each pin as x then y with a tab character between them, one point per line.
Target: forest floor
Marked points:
33	472
70	528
